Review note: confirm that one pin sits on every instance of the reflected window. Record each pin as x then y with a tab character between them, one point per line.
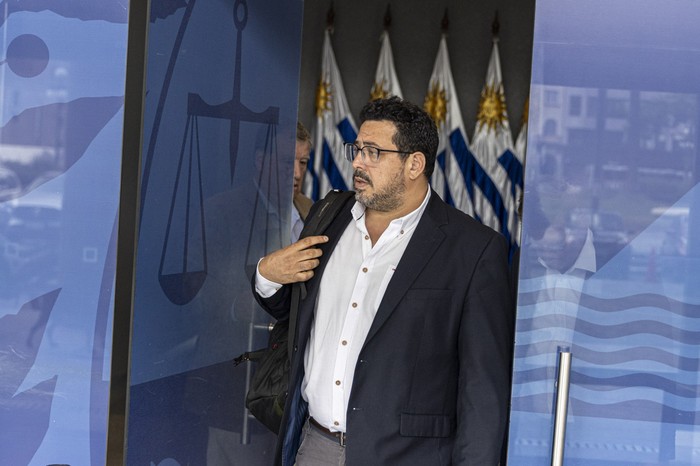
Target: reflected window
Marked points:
668	122
550	128
551	98
575	104
592	107
617	108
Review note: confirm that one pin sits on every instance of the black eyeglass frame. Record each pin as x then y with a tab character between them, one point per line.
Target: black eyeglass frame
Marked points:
372	155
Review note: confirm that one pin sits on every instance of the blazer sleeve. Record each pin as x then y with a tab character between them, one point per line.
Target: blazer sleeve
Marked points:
485	351
276	305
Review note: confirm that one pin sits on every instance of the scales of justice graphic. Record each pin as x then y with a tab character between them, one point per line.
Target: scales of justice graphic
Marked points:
186	213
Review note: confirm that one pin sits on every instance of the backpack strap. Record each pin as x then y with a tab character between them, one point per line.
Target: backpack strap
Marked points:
321	215
319	219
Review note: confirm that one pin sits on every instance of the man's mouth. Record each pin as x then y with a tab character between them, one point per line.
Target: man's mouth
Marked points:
361	179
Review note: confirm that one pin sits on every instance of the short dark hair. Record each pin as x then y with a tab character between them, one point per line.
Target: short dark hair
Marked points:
415	129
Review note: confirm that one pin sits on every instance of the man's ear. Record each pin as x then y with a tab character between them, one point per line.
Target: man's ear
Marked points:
416	165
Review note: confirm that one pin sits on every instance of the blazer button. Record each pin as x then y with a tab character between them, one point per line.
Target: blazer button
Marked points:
295	348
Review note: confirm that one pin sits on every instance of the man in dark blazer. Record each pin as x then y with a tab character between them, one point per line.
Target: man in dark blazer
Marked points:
404	337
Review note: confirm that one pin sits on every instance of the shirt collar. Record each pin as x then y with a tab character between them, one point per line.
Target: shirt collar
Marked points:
586	259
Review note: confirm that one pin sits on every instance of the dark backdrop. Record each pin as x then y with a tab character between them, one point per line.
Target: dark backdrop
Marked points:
415	34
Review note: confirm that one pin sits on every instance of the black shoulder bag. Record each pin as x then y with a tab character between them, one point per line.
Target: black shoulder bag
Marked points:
267	392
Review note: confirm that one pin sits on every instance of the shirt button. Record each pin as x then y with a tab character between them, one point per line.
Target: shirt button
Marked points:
344	342
364	269
366	236
336	423
354	304
337	382
402	232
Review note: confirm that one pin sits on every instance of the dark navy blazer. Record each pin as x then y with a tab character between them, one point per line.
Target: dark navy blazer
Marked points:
431	385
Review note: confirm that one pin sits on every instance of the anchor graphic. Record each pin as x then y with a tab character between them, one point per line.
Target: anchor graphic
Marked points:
182	286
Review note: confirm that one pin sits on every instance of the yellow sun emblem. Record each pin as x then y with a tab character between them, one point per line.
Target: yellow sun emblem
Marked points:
379	91
492	108
323	97
436	104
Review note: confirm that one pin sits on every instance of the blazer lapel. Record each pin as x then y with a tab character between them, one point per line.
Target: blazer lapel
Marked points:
334	232
425	240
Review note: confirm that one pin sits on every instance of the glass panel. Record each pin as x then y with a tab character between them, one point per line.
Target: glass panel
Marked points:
61	98
220	125
609	267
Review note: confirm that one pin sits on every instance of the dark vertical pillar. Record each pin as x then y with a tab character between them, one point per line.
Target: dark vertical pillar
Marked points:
128	228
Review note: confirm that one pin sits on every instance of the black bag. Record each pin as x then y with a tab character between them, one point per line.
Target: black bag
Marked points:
267	392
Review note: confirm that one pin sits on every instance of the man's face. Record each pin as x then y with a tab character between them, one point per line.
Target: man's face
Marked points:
301	161
559	249
379	185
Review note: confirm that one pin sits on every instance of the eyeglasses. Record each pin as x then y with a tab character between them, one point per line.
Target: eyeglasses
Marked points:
369	153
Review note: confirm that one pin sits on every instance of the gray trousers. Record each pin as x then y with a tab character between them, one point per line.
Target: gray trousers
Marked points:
319	450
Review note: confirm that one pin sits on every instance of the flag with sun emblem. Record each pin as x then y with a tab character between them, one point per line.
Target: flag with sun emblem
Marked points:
328	168
492	144
452	175
386	82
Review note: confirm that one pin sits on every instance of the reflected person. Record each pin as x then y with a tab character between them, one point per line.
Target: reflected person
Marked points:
565	259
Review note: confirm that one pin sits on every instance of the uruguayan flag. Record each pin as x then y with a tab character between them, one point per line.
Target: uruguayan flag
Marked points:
492	145
386	82
454	163
334	126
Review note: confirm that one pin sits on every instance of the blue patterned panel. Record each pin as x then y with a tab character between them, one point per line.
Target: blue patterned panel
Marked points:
610	261
61	98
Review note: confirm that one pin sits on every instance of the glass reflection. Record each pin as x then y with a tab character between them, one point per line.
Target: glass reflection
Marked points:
608	271
216	196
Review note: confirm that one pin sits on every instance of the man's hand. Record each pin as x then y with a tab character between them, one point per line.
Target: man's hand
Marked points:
295	263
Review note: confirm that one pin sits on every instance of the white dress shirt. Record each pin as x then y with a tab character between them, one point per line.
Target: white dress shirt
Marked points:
351	289
297	225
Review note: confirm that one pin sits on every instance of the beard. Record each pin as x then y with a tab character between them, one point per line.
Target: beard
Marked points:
385	199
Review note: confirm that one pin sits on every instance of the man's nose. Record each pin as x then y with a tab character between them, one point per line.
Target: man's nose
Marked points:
358	161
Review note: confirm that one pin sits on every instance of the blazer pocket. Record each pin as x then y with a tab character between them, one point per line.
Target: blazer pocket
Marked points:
426	425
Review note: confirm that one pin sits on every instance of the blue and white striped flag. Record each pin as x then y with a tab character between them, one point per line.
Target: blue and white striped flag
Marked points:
386	82
451	178
493	148
328	168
